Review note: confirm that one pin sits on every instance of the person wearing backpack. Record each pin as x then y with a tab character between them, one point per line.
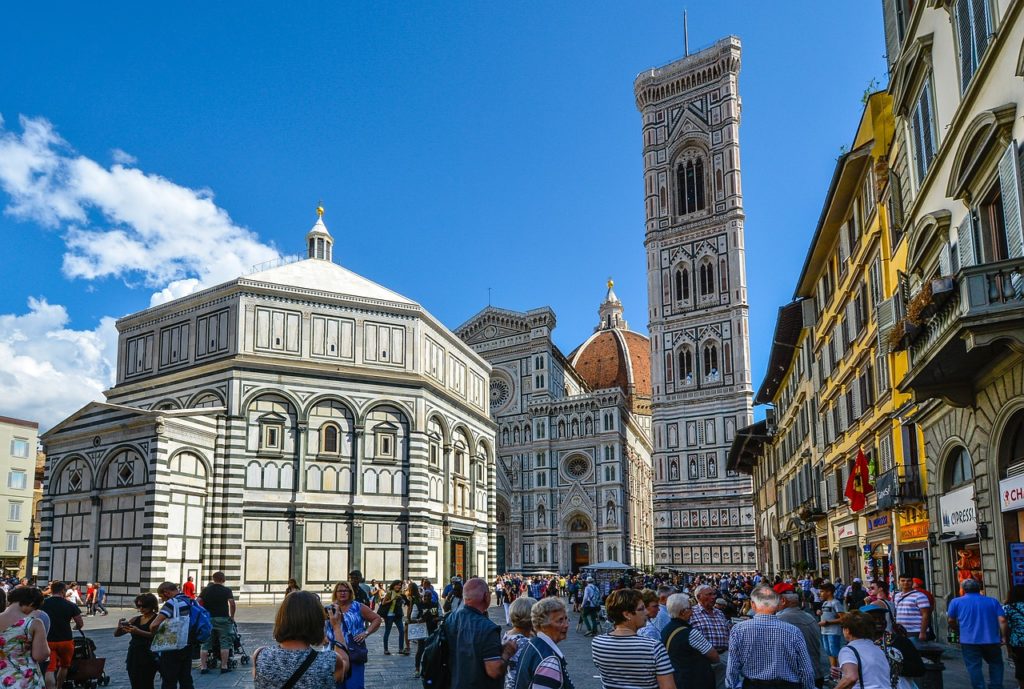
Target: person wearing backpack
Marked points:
220	602
175	663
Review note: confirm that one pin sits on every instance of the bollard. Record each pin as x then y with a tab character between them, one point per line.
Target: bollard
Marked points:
931	654
932	678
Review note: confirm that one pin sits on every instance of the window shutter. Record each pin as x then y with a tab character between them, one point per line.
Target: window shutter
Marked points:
809	312
882	371
965	242
856	398
885	450
885	318
851	320
844	246
895	202
844	422
944	261
1009	185
892	40
965	41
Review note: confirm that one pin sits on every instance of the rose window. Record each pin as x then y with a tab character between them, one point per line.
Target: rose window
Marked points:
577	467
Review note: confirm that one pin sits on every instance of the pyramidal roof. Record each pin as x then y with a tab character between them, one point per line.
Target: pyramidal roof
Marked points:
325	276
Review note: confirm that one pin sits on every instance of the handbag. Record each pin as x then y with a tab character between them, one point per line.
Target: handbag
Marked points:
172	634
417	630
358	654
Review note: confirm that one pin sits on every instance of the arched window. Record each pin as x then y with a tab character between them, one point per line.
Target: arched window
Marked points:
329	439
707	279
710	359
690	186
959	468
685	365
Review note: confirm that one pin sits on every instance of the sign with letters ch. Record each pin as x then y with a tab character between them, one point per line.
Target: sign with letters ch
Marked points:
885	490
959	516
1011	493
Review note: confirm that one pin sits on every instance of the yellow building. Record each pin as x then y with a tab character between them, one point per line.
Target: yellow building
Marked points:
852	272
18	439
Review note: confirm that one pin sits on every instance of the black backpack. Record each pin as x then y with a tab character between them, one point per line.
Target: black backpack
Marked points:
435	670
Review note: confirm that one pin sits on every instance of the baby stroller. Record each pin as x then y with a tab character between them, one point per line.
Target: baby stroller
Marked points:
86	669
237	650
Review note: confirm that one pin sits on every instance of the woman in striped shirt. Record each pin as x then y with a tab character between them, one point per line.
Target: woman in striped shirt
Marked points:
625	660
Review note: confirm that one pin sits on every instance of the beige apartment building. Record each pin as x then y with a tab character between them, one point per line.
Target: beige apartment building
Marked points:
18	469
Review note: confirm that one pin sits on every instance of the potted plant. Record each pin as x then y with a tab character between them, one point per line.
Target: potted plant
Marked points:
918	308
896	334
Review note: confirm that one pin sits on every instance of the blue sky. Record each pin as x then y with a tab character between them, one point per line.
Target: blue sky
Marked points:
148	150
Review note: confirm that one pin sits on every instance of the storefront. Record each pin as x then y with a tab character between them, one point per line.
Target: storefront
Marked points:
878	565
1011	502
823	558
959	534
912	540
850	557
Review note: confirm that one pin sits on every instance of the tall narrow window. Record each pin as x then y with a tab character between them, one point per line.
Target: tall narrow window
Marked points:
691	188
973	30
330	439
679	285
685	366
922	130
699	182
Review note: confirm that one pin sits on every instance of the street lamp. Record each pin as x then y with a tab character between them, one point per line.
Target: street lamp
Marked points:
30	560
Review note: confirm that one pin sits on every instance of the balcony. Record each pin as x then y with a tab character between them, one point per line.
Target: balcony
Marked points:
893	490
810	510
968	333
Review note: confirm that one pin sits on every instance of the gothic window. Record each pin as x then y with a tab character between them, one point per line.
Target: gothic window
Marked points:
706	278
577	467
690	186
711	360
685	365
682	284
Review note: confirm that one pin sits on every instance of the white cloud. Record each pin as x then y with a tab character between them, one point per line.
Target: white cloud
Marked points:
123	157
120	221
47	370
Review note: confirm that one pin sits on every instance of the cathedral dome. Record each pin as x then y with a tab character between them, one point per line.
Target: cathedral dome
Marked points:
615	357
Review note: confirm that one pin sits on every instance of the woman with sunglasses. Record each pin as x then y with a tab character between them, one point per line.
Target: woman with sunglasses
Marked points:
625	659
358	622
141	664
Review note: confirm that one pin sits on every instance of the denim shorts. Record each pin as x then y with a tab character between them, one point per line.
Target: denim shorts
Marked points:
832	643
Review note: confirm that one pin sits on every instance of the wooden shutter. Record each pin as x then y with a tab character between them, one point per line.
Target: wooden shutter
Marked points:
965	242
945	267
965	41
892	39
1009	185
809	311
856	398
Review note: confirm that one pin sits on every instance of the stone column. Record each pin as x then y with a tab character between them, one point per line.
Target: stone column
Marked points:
355	558
298	548
359	446
94	538
446	550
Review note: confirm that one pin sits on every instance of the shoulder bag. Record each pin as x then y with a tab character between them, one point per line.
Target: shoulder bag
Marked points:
172	635
358	654
300	670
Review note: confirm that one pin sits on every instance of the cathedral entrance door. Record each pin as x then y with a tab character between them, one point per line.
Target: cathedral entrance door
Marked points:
458	560
580	556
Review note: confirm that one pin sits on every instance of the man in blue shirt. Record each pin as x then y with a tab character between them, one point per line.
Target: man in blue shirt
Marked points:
476	656
978	620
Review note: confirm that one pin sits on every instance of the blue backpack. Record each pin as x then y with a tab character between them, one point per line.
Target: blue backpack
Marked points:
200	624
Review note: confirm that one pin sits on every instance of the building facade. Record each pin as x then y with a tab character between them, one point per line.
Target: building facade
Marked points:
18	440
573	446
700	363
956	82
297	422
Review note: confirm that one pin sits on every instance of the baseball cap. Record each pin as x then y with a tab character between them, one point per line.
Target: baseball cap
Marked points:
870	607
857	581
783	588
917	582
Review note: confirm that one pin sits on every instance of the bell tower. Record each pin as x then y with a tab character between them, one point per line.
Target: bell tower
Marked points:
697	298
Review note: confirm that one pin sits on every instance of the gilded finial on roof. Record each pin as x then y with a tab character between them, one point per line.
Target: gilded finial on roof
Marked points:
319	209
611	283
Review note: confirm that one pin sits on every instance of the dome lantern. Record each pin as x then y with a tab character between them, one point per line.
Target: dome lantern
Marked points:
319	242
611	311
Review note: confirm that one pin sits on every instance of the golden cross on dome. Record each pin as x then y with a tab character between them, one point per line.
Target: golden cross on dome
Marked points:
611	283
320	209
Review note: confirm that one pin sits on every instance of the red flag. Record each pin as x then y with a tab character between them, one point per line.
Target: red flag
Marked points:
859	484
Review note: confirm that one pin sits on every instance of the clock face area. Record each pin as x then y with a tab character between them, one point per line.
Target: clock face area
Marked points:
501	393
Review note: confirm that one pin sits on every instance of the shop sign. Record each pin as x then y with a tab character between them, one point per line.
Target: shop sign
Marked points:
914	531
846	531
959	516
1011	493
885	490
880	521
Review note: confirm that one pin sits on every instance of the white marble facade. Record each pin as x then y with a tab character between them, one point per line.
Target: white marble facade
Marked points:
704	517
573	453
297	422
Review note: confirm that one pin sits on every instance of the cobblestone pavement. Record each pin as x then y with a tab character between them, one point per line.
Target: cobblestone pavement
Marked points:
255	624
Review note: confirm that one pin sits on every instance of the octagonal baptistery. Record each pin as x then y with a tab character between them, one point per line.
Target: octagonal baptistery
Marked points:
295	423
